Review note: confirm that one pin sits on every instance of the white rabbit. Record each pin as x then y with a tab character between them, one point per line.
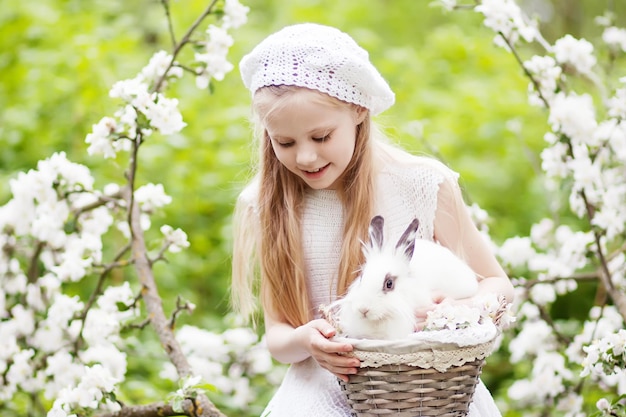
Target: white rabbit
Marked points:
397	280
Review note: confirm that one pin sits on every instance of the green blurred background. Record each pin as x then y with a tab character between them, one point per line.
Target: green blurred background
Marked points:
458	97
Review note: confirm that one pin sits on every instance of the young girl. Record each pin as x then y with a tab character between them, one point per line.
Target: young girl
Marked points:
323	172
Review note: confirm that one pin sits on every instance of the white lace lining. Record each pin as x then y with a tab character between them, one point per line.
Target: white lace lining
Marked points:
439	349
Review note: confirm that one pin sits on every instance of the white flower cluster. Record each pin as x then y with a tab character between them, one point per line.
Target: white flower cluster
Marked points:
228	361
40	212
212	57
505	17
585	155
606	358
448	316
591	152
147	109
552	254
615	37
176	239
550	372
96	382
57	221
57	345
113	134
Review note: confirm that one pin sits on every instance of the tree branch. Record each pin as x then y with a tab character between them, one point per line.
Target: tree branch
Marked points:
150	410
204	407
168	15
185	39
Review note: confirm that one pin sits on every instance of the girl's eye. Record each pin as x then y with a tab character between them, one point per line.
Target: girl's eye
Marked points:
285	144
322	139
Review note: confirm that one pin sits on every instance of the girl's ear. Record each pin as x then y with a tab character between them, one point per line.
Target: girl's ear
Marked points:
361	114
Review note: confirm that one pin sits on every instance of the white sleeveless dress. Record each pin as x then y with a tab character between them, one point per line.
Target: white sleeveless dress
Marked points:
403	193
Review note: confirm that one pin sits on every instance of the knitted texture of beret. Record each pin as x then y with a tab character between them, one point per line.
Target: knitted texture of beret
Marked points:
320	58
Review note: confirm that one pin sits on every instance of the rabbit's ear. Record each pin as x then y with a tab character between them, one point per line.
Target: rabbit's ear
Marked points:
406	243
376	232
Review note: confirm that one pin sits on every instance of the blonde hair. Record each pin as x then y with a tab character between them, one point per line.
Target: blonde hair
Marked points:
269	236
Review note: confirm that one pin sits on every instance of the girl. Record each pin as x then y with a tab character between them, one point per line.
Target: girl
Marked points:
323	172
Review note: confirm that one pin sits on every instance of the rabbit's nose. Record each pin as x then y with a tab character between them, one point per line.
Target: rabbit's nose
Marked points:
364	311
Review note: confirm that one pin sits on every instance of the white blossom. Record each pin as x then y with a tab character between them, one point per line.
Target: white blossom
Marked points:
114	295
573	115
156	68
15	282
164	115
109	356
100	139
547	74
551	370
235	14
541	233
596	327
605	356
177	239
615	37
505	16
448	4
575	52
74	262
260	360
542	294
151	197
516	251
133	91
613	133
603	404
564	286
553	160
535	336
202	343
571	404
240	339
617	268
616	105
452	317
587	176
213	58
21	369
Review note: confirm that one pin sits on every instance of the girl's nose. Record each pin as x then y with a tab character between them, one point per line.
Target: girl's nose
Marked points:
305	155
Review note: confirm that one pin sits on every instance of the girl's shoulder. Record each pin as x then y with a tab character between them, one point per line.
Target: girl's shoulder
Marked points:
249	196
406	167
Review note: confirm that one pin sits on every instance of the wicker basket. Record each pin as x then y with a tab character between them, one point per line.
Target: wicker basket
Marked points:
407	390
408	379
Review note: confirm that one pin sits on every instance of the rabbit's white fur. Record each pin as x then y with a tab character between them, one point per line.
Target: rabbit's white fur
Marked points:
396	281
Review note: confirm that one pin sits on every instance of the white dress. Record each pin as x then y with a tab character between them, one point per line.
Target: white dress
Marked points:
403	193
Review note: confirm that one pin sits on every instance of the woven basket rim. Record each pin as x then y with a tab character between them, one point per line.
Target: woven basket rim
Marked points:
427	340
438	359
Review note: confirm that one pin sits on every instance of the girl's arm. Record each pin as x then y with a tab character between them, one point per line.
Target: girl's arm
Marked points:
290	345
455	229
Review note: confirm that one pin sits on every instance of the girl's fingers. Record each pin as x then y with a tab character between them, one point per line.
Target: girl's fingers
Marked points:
341	371
330	354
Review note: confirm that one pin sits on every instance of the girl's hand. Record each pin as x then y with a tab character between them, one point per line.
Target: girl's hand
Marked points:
315	335
421	314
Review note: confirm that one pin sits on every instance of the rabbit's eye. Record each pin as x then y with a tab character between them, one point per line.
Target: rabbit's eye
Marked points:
389	283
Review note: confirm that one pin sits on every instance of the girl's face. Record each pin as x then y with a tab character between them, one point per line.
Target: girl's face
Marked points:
313	138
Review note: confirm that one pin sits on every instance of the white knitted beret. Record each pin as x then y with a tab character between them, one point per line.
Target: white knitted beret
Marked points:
321	58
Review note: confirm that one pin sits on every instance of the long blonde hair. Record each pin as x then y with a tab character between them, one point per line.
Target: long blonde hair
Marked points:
268	221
